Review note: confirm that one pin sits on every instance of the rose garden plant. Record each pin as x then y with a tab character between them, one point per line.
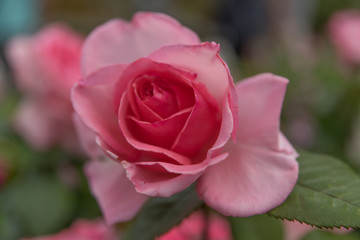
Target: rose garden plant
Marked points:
167	130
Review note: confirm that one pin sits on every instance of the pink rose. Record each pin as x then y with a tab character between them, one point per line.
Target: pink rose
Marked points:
194	227
163	106
344	29
83	230
45	67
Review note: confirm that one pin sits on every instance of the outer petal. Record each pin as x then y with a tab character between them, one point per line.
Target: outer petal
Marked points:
157	183
87	138
89	98
118	41
260	102
261	169
202	59
250	181
115	194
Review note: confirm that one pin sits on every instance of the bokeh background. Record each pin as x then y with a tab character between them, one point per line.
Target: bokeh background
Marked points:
42	192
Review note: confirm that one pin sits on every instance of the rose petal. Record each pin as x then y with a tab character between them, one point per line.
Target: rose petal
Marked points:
202	59
177	80
344	30
89	98
57	49
170	155
115	194
215	155
260	101
35	125
87	138
250	181
201	128
20	54
161	133
261	165
153	183
118	41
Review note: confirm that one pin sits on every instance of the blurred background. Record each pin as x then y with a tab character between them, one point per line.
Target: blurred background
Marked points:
43	190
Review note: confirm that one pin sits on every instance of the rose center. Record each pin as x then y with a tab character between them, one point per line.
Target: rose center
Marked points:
157	95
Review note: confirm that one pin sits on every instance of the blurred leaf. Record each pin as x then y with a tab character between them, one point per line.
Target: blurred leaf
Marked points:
10	228
40	204
260	227
160	214
327	194
325	235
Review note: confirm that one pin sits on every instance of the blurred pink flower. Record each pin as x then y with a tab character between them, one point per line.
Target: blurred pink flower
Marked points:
83	230
164	107
194	228
344	29
295	230
45	67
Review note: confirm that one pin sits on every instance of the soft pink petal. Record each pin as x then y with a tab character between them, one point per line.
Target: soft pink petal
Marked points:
261	164
87	138
93	102
250	181
157	182
196	225
201	128
35	125
199	59
260	102
118	41
295	230
20	54
344	29
202	59
115	194
161	133
57	50
145	70
131	139
214	155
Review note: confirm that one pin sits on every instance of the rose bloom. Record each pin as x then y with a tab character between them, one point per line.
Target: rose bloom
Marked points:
194	227
344	30
45	67
163	106
83	230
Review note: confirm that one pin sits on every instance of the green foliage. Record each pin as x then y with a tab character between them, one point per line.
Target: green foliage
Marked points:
34	205
323	235
327	194
160	214
260	227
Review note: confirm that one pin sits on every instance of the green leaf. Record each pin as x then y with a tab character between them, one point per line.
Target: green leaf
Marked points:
325	235
39	204
327	194
160	214
260	227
